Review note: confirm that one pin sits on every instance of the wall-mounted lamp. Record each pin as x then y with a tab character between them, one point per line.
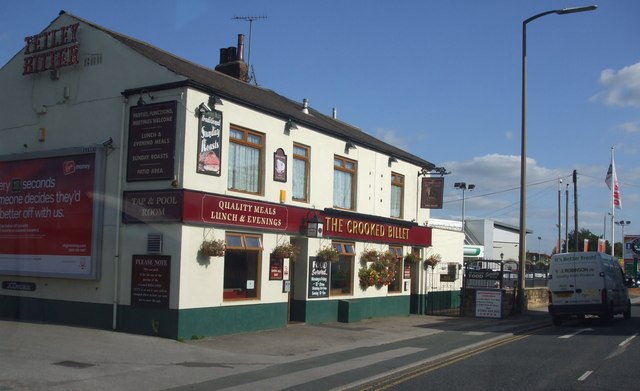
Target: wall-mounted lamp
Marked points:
315	227
349	145
290	125
141	101
392	160
215	100
203	108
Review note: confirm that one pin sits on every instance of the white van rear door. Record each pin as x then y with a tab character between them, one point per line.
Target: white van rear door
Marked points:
588	280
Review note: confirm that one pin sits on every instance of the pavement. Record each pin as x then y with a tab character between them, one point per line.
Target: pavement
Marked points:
37	356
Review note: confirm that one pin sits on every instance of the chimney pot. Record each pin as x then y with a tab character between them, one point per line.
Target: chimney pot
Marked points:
231	52
240	55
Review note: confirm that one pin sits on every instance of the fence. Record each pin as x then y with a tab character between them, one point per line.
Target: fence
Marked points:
501	274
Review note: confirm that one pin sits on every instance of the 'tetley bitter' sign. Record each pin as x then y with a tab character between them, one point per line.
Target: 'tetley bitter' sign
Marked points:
51	49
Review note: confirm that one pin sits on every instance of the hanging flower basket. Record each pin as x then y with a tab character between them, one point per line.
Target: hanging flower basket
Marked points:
381	272
370	256
287	250
212	248
432	260
412	258
327	254
368	277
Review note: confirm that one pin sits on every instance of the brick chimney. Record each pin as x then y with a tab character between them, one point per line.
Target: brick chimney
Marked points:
232	61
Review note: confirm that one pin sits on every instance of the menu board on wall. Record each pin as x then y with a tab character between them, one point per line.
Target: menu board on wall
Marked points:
276	270
319	273
150	280
210	143
152	134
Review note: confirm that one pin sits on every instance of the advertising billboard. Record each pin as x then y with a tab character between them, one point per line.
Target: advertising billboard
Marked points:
50	213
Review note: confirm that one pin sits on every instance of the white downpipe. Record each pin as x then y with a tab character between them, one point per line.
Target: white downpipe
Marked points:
116	256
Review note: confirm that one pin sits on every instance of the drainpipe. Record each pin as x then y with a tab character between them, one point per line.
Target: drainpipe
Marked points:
116	256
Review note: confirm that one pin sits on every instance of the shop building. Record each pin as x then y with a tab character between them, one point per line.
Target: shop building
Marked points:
145	193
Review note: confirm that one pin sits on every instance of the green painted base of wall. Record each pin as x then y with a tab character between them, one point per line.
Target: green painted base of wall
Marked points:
349	310
159	322
56	311
167	323
199	322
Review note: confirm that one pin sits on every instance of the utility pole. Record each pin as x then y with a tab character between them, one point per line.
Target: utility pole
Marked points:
575	209
559	246
566	220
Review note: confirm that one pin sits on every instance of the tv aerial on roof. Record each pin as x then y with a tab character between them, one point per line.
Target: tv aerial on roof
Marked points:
250	19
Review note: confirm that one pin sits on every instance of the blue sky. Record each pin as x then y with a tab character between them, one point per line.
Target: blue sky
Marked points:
440	79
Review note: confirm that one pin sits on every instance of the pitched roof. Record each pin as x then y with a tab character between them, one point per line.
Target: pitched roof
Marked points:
262	99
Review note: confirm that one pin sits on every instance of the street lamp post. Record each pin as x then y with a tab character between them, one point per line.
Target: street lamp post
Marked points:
523	153
559	225
622	224
463	186
539	239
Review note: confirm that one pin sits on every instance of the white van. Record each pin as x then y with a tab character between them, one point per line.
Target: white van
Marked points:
586	283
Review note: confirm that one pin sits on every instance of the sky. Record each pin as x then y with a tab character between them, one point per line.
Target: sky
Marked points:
441	79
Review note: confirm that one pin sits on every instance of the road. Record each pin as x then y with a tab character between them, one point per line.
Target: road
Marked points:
580	355
403	353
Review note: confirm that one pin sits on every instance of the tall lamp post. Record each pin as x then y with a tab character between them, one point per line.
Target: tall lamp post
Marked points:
539	239
622	224
463	186
523	153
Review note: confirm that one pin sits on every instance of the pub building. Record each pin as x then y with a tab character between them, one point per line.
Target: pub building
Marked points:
144	193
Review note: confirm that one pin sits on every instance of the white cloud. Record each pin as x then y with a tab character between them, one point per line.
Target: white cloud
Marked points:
499	171
391	136
621	88
630	127
508	135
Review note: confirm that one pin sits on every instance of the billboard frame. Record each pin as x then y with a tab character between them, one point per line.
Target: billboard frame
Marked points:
98	192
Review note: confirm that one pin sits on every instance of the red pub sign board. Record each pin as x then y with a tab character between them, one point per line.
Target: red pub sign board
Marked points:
204	208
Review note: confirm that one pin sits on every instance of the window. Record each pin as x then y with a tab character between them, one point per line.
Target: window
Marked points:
245	160
344	183
301	172
342	271
452	271
396	284
397	195
242	266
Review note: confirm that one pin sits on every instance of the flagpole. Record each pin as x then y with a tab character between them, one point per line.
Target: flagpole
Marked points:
613	206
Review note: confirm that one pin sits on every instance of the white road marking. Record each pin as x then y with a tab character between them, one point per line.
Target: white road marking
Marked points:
307	375
574	334
622	346
585	375
626	341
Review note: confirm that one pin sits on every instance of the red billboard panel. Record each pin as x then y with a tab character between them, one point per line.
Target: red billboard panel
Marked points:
47	212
